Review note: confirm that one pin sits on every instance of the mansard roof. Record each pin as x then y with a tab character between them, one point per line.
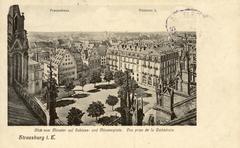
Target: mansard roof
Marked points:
153	50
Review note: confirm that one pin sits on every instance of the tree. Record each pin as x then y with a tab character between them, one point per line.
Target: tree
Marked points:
106	120
119	77
75	116
95	77
140	116
62	82
127	89
47	92
69	85
133	86
51	93
108	76
85	67
123	105
112	100
96	109
82	81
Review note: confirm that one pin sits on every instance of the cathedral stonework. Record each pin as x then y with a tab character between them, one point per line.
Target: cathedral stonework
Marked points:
17	47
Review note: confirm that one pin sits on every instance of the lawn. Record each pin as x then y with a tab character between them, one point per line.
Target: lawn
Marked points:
84	98
100	92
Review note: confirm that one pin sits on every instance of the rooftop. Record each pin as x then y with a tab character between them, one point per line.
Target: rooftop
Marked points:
144	49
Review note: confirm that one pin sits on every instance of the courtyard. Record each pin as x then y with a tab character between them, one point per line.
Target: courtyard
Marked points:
81	100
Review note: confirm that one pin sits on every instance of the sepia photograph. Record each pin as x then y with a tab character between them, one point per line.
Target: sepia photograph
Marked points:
122	74
76	71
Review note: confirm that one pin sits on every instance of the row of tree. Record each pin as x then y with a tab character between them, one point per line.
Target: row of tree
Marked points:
95	110
95	77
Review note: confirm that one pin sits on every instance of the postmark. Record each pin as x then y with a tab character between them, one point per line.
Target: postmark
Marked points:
183	20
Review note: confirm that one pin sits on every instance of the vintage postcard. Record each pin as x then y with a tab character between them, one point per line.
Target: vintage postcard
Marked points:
124	67
94	72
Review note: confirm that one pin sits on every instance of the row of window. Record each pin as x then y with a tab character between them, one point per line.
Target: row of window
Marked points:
68	68
149	80
169	70
169	62
68	63
169	56
145	63
146	57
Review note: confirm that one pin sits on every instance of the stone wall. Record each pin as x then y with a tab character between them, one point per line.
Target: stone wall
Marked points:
33	103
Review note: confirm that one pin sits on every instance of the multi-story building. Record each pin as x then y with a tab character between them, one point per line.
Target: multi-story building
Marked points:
94	59
79	62
40	56
35	77
102	49
64	66
148	63
91	57
40	50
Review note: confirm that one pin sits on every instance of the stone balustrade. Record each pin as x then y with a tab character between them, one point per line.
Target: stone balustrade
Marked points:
32	102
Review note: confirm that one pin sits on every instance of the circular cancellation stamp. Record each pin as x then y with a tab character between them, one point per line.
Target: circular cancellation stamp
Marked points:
183	20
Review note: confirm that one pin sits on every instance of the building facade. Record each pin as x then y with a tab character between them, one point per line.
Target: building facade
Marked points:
64	66
94	59
35	77
102	49
149	64
79	62
91	57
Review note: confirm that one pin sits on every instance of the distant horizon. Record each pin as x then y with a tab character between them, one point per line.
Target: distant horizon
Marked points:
103	31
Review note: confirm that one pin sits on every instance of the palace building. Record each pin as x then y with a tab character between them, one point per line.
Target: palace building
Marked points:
148	63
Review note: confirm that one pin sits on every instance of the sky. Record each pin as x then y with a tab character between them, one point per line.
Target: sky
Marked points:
120	18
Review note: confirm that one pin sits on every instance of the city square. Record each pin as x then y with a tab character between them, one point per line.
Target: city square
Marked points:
101	78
